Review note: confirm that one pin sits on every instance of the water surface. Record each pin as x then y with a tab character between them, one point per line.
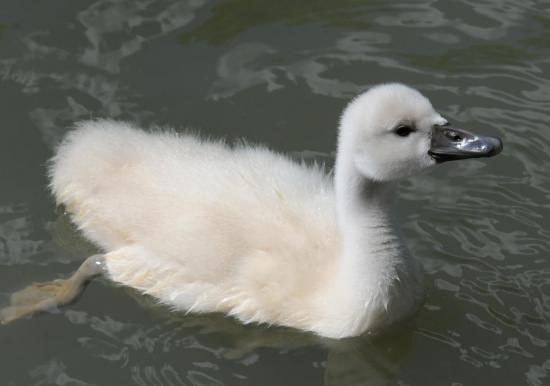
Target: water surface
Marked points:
279	72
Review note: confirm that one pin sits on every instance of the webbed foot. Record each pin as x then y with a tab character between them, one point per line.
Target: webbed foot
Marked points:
44	296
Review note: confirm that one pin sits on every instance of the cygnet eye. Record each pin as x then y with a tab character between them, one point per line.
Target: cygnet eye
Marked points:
404	130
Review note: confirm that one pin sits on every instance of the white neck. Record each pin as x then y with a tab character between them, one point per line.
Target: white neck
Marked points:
365	219
378	279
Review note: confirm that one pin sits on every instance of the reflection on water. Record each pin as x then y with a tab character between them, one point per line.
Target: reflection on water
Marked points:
279	72
212	349
233	17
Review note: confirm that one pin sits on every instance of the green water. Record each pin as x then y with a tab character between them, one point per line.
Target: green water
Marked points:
279	72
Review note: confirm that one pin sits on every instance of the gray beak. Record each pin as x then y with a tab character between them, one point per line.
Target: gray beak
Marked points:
449	144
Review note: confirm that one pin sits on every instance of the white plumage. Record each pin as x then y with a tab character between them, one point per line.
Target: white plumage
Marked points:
203	226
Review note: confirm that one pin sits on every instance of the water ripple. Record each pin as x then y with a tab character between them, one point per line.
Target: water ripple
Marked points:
479	227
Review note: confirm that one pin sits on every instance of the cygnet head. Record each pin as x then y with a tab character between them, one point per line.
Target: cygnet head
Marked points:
392	131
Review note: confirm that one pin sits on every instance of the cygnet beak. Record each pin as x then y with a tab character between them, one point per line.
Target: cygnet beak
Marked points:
449	144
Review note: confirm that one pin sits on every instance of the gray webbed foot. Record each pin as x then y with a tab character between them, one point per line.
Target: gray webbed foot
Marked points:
40	297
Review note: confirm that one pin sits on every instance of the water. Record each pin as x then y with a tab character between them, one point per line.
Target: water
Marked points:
279	73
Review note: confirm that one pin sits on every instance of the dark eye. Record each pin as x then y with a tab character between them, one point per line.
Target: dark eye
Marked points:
403	130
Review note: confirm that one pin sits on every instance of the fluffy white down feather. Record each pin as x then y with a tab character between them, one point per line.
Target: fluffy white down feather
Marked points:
203	226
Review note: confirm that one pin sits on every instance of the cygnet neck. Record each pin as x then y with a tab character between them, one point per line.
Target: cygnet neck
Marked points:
365	214
358	197
372	254
378	280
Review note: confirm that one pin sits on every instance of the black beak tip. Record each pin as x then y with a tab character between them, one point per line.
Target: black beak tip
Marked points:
497	147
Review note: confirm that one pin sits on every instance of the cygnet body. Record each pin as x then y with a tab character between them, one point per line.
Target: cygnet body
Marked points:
206	227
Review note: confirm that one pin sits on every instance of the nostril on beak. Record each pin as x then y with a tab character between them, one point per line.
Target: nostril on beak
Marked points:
453	135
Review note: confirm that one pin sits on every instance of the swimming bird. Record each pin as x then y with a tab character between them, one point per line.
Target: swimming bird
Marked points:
207	227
